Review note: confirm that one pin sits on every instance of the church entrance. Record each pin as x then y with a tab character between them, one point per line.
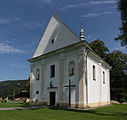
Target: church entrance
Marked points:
52	98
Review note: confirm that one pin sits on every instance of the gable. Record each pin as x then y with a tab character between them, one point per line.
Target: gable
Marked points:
57	35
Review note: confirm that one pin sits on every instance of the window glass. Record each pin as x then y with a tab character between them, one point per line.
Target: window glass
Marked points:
103	77
37	74
94	73
52	71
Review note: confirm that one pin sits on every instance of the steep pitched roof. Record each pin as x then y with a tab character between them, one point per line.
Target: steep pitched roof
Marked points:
57	35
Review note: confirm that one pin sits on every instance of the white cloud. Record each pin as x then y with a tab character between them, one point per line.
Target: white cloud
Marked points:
34	25
97	14
88	4
4	21
5	48
79	5
118	46
75	5
8	20
18	65
102	2
45	1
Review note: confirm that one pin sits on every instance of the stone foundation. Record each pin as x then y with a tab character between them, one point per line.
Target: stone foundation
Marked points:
98	104
38	103
62	104
82	106
65	105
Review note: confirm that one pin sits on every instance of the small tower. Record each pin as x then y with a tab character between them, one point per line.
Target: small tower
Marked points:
82	34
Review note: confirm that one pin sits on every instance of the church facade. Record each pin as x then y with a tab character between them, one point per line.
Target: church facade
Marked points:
62	56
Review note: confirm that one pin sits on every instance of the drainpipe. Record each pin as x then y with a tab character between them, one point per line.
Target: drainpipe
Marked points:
87	51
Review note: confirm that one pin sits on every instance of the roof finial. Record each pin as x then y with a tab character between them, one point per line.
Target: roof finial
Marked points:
82	34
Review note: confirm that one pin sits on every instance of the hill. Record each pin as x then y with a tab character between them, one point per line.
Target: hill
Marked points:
10	87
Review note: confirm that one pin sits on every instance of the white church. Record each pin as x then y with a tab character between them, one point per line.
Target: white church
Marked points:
66	71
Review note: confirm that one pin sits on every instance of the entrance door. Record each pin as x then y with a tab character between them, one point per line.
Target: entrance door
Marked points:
52	98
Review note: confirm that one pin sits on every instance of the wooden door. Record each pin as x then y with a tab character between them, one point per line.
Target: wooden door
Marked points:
52	98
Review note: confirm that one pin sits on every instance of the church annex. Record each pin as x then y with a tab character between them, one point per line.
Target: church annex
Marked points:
62	58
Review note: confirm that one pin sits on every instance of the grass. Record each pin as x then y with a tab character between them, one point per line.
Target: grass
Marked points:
13	105
113	112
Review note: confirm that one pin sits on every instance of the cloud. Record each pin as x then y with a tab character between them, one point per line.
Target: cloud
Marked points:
4	21
88	4
97	14
118	46
8	20
45	1
34	25
102	2
5	48
78	5
75	5
18	65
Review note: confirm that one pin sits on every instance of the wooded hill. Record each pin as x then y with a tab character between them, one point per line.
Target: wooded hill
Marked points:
10	87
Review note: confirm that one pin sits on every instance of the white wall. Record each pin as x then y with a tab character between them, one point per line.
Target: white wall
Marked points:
36	84
97	90
68	56
93	85
105	87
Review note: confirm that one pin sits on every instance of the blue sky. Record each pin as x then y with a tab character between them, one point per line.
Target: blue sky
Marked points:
22	23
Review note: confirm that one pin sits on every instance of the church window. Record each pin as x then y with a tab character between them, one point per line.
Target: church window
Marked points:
103	77
37	74
37	92
52	71
71	68
94	73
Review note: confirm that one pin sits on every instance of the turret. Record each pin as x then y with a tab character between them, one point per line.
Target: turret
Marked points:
82	34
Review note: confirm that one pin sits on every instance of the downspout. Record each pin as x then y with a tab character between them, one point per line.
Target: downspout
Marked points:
87	51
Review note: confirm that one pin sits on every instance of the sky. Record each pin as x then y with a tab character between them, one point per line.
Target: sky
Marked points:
22	24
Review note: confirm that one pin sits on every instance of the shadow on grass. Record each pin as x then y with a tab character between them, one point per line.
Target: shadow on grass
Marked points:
98	111
24	105
95	112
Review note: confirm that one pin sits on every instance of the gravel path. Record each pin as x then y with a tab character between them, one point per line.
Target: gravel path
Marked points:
22	108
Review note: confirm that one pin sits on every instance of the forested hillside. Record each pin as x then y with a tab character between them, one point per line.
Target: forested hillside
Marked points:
10	87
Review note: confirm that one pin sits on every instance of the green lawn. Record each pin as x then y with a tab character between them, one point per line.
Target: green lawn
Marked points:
114	112
12	105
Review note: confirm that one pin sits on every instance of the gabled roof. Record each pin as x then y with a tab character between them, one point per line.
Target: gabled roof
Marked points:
57	35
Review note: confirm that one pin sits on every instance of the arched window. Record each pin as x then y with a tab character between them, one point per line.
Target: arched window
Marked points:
37	74
71	68
103	77
94	73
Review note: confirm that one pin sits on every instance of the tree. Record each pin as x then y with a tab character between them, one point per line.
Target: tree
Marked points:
122	6
99	47
118	61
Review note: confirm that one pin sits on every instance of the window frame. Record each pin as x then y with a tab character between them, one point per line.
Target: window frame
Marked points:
37	74
70	72
52	71
94	73
103	77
